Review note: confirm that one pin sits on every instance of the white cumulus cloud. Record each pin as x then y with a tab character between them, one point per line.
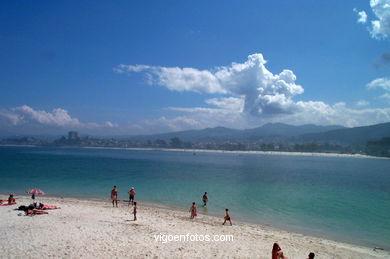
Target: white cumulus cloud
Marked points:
362	16
57	117
262	91
252	96
380	26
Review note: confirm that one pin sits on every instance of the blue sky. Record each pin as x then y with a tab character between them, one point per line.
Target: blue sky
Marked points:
139	67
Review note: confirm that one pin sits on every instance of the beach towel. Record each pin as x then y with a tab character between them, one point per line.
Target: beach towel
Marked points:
6	204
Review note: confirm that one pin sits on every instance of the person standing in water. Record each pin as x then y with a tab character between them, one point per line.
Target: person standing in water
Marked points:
131	196
205	199
114	196
193	211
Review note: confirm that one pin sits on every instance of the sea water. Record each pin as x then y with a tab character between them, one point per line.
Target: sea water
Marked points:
341	198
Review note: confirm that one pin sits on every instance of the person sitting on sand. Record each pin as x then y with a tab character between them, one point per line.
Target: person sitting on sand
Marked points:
193	211
227	217
135	211
114	196
131	196
11	199
205	199
277	252
34	212
311	255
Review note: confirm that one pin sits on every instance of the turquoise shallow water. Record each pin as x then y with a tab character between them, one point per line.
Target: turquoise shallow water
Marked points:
341	198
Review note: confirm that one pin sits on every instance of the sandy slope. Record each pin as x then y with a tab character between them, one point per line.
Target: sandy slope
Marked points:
90	229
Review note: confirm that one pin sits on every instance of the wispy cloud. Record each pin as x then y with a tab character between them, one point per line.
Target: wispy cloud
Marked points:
177	79
383	83
25	119
362	103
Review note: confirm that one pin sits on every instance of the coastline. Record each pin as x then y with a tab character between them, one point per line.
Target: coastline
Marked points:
254	152
92	228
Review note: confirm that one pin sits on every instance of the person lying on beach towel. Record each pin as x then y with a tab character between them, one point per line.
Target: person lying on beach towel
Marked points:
34	212
49	207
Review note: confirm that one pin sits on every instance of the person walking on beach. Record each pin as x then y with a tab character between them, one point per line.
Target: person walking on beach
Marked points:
277	252
114	196
193	211
227	217
135	211
131	196
205	199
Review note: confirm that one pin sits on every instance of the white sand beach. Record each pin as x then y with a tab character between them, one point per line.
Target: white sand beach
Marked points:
94	229
253	152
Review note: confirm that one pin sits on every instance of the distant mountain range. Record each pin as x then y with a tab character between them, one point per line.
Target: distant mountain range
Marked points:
351	136
279	132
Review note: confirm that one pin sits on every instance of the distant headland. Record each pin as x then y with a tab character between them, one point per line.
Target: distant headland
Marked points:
371	140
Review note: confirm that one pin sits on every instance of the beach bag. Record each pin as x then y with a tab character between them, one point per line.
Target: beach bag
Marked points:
22	207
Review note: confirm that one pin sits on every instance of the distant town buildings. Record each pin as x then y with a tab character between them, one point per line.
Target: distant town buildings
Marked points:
380	147
73	135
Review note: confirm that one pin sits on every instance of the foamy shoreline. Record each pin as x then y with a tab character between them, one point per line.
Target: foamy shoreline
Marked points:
89	228
285	153
243	152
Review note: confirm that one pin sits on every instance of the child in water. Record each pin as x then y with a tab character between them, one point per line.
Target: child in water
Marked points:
227	217
193	211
